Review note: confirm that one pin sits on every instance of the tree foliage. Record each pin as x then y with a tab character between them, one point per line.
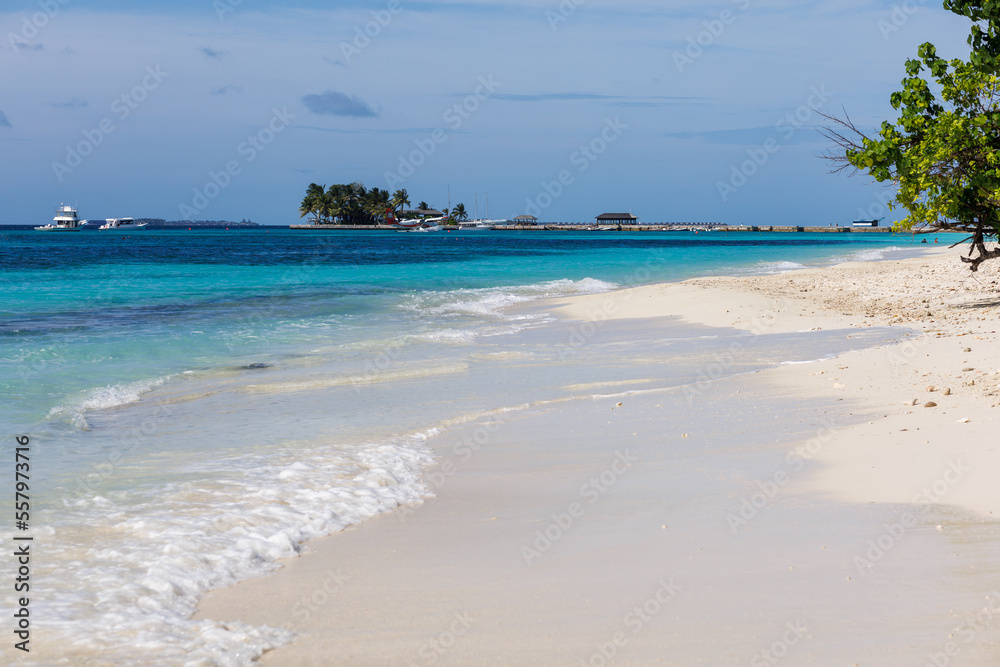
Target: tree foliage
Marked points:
943	152
350	204
400	199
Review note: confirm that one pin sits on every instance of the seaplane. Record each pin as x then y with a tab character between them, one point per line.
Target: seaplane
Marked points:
422	225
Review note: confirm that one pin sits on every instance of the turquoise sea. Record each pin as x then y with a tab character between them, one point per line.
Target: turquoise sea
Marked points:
202	402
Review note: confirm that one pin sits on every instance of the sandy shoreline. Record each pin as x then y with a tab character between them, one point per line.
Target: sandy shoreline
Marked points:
952	310
655	559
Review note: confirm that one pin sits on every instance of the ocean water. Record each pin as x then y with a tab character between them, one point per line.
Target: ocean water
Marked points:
200	403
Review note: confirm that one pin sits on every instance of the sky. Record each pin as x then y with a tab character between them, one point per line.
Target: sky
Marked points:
563	109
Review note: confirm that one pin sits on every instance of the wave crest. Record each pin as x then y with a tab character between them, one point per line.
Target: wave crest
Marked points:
105	398
490	302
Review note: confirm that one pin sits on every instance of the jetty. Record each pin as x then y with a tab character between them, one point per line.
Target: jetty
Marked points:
692	227
645	227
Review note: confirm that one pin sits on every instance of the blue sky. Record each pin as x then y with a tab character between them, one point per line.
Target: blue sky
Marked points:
222	109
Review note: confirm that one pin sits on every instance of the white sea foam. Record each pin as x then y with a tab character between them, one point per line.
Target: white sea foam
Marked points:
448	336
871	254
806	361
492	301
763	268
453	336
114	396
502	356
150	558
610	383
865	255
104	398
478	415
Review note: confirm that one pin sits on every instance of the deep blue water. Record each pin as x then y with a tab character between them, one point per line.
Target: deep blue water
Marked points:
92	309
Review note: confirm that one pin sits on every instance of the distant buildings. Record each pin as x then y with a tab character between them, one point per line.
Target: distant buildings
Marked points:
617	219
420	213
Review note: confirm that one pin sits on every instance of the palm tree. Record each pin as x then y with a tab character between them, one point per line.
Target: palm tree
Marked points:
400	199
337	205
354	194
376	203
459	213
348	202
354	204
329	207
312	202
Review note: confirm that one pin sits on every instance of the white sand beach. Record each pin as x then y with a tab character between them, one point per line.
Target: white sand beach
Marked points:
821	514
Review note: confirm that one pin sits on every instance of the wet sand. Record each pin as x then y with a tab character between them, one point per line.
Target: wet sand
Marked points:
806	514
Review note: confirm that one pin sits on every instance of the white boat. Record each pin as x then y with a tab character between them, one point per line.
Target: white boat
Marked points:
481	224
475	225
65	221
122	224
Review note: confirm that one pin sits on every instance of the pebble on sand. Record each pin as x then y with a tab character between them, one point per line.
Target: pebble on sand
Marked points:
930	404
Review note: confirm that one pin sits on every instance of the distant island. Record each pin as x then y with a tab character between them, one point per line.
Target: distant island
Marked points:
155	223
354	204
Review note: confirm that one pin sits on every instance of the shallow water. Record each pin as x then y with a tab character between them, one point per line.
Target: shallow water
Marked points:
200	403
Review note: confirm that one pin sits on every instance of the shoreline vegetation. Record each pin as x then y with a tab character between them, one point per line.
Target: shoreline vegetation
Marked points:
353	204
906	447
940	153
